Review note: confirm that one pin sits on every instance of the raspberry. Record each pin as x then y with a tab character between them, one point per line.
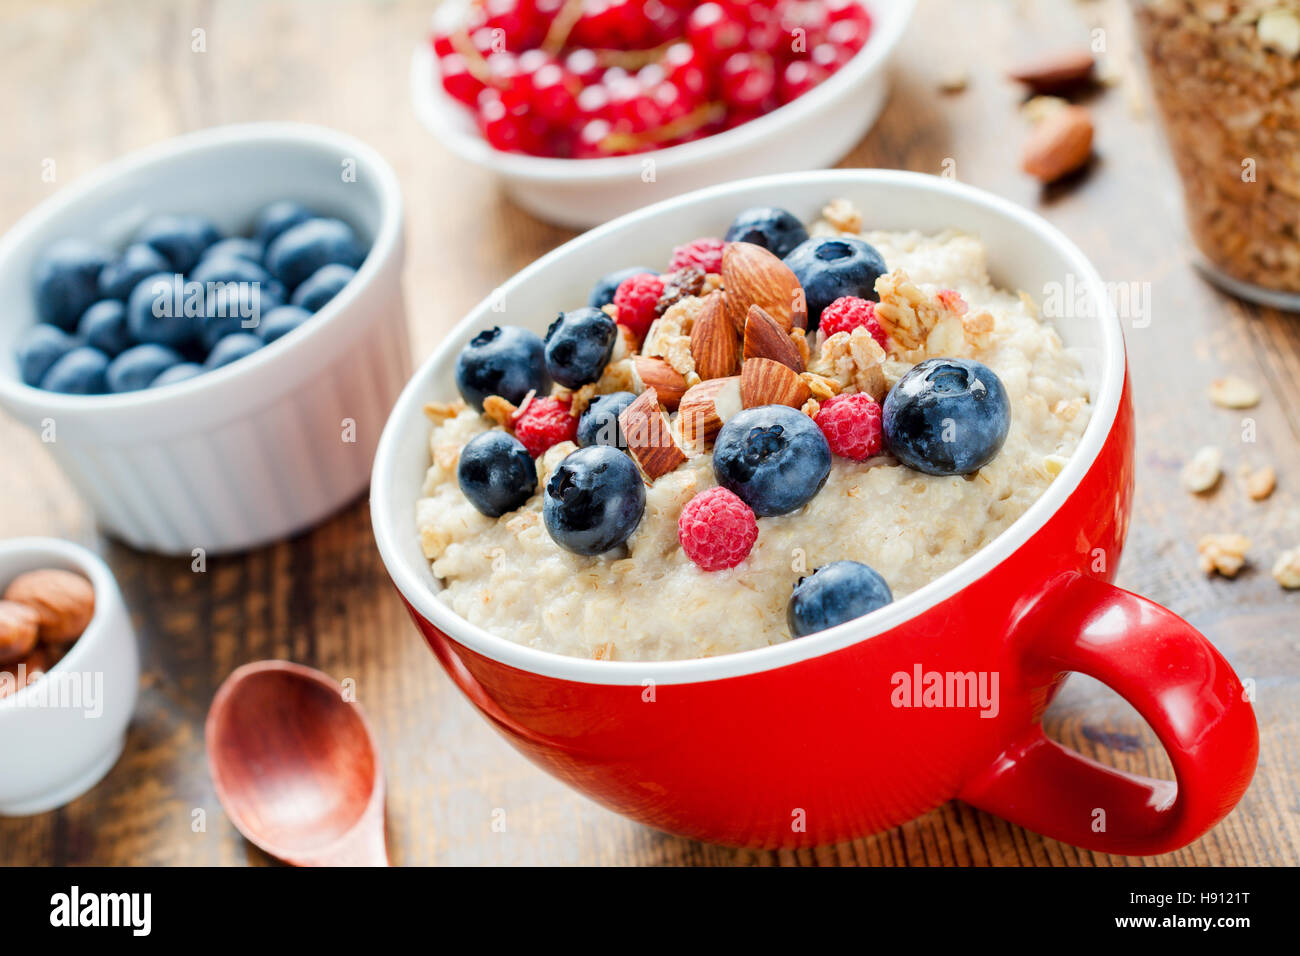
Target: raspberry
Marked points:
851	424
703	254
544	422
848	313
717	529
636	298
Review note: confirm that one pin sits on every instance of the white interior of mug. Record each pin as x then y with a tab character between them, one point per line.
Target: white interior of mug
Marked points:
1024	253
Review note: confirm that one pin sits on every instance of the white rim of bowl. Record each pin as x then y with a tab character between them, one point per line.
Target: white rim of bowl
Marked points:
387	237
1106	403
101	579
432	103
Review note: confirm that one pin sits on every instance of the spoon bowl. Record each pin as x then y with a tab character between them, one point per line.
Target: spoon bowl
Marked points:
295	766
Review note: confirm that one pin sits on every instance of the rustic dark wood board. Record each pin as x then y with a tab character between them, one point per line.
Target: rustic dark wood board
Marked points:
89	81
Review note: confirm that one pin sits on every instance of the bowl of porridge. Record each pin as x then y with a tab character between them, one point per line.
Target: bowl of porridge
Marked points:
776	514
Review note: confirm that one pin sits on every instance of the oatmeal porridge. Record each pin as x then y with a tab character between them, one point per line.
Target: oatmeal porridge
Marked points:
741	451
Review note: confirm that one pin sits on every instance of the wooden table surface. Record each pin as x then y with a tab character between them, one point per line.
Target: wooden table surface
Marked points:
89	81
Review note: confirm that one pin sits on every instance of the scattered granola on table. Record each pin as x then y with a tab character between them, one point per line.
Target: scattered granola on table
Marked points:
1223	554
1286	570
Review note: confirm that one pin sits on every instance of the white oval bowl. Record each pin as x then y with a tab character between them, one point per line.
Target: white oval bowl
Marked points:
815	131
257	450
1024	252
61	734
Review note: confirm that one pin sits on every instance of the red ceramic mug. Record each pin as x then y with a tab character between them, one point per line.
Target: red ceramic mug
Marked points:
938	695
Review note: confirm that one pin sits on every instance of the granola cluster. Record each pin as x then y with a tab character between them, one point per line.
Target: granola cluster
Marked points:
1224	73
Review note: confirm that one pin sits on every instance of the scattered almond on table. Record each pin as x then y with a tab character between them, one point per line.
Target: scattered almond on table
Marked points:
1260	482
1057	71
1059	144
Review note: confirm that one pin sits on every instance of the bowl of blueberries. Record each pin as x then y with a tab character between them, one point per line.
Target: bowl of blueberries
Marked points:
208	334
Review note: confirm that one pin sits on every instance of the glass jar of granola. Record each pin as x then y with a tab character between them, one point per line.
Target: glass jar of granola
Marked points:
1226	79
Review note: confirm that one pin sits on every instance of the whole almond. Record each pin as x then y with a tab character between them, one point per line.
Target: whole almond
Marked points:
766	382
649	436
14	677
752	275
64	602
1056	71
764	338
705	408
19	626
714	343
1059	144
655	373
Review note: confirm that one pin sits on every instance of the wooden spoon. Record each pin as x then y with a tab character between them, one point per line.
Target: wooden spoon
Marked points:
295	766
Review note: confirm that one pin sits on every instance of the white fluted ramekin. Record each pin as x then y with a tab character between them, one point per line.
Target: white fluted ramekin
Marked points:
814	131
266	446
62	733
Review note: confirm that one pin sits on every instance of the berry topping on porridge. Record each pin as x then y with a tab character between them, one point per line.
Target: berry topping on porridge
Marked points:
781	432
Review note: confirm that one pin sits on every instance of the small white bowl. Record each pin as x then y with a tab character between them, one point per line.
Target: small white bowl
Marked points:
266	446
62	733
813	132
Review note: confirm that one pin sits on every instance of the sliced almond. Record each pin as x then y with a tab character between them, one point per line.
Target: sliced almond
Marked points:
705	408
752	275
767	382
656	374
1059	144
764	338
714	342
649	436
1056	71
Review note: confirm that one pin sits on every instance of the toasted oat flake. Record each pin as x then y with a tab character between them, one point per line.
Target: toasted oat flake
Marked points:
843	215
1279	30
1286	569
1203	471
1260	482
439	412
1233	392
1223	554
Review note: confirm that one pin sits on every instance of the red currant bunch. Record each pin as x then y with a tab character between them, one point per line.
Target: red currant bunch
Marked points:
584	79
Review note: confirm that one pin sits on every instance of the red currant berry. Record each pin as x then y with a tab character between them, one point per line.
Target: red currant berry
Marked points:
798	78
748	81
554	94
583	64
714	32
458	81
682	65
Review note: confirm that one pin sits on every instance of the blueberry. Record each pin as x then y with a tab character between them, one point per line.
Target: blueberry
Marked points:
137	261
280	321
276	218
579	345
162	311
182	239
236	247
496	473
599	423
79	372
774	229
104	326
594	500
39	347
947	416
227	269
506	361
302	249
773	457
66	281
833	594
235	307
137	367
602	293
231	349
177	373
831	267
321	286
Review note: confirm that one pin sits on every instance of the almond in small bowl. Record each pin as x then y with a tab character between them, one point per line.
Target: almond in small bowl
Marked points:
69	672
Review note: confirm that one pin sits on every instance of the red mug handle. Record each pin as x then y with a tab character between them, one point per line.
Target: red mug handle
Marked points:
1176	680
